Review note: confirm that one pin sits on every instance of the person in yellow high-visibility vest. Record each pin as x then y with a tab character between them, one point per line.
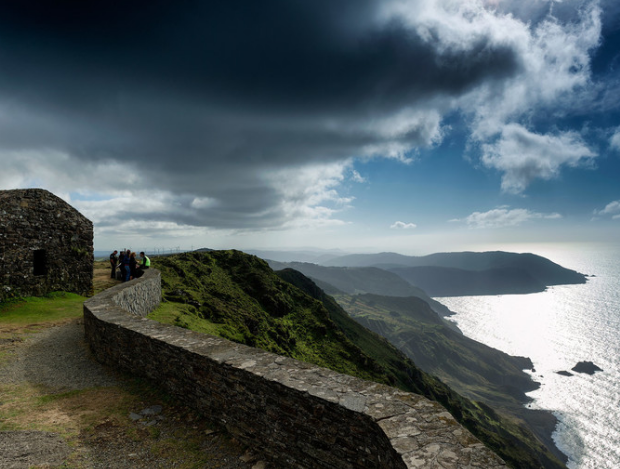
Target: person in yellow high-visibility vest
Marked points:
146	262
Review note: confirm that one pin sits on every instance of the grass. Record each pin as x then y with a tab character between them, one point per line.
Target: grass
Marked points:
239	298
101	277
23	316
176	314
31	313
99	417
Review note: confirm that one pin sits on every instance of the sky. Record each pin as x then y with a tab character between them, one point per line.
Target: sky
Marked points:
413	126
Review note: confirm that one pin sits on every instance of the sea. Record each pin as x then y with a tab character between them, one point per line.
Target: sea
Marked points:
557	329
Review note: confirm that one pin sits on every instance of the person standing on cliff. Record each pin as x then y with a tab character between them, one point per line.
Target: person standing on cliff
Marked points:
113	263
133	264
125	267
146	262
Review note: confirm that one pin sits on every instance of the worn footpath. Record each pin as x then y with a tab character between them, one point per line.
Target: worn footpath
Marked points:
61	409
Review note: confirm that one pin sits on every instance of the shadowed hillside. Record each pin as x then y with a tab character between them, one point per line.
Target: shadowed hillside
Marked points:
355	280
237	296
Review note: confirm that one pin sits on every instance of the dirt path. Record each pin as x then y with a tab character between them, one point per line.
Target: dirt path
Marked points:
59	408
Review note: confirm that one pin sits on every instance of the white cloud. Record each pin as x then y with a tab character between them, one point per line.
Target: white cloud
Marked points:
611	209
130	217
146	230
503	217
357	177
552	43
62	173
523	156
399	225
399	134
203	202
554	59
554	47
614	141
119	211
308	195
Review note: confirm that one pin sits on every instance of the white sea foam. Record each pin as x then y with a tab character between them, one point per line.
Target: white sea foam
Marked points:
556	329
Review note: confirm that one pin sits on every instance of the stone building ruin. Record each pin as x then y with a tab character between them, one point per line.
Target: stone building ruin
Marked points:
46	245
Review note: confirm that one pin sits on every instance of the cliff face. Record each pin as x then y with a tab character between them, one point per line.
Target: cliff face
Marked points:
472	369
238	297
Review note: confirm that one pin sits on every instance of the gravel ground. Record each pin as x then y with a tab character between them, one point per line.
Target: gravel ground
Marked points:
21	450
57	359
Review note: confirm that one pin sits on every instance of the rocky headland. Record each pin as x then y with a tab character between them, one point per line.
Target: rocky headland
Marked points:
469	273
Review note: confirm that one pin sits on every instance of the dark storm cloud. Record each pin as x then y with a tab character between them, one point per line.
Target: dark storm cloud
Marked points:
284	54
203	96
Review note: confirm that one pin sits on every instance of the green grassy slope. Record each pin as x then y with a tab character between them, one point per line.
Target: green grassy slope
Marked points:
237	296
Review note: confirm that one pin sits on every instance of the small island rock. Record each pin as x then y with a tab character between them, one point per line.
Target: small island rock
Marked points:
586	367
564	373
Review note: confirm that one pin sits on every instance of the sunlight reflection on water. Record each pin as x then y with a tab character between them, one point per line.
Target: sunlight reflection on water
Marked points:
556	329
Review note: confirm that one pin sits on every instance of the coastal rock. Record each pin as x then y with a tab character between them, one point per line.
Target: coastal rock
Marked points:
586	367
565	373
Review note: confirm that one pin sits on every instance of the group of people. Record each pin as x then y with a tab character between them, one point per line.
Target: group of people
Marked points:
128	265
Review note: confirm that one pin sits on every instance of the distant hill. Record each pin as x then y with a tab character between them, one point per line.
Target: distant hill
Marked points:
446	281
389	259
313	256
237	296
469	273
354	280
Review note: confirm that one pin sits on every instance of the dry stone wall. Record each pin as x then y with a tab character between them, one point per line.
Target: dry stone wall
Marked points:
298	414
45	245
142	298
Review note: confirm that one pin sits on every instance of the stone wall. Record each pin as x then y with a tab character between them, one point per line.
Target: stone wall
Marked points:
143	296
45	245
298	414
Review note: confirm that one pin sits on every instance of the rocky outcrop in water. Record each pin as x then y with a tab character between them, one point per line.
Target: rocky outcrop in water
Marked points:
586	367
